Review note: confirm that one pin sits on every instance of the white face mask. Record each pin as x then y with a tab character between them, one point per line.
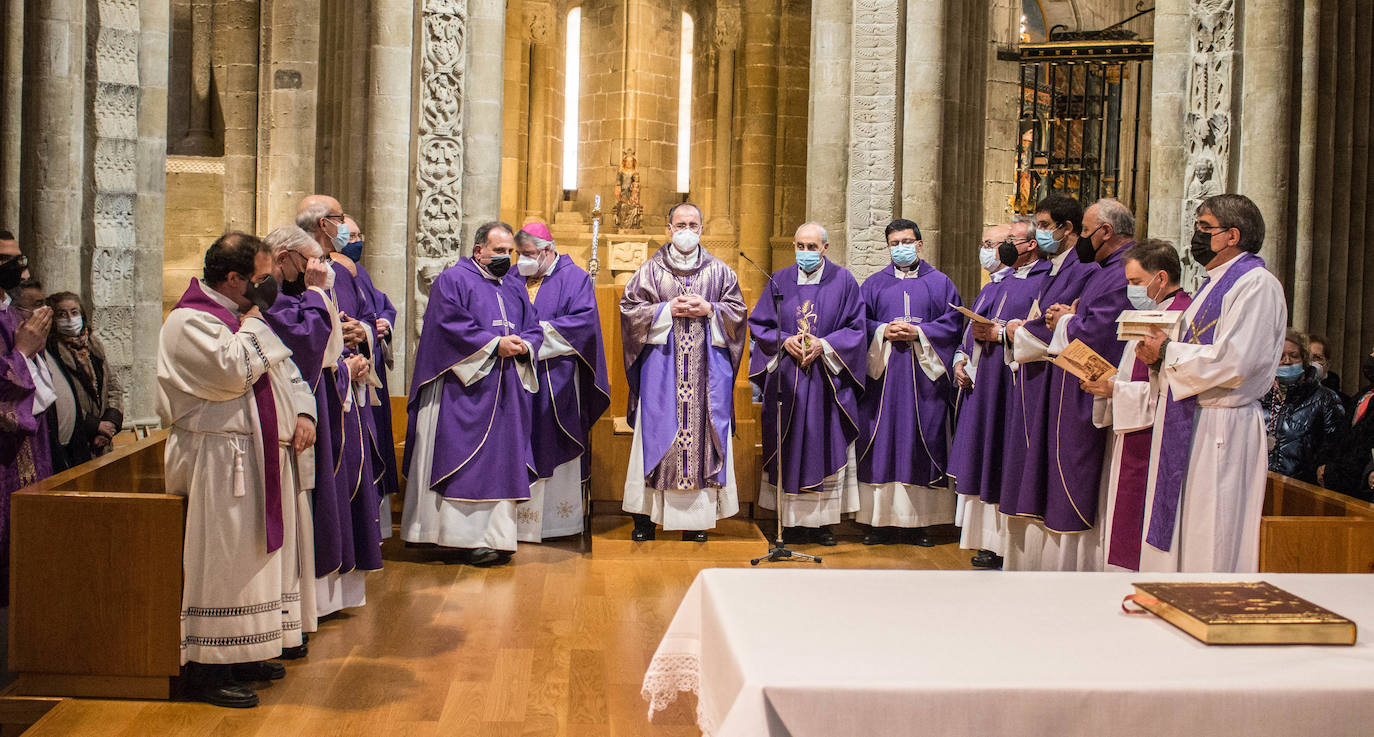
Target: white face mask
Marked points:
987	257
527	266
686	241
70	326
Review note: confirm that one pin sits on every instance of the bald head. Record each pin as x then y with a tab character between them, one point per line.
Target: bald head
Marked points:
321	216
994	235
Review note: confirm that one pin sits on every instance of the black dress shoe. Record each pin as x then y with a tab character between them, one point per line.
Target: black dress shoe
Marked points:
919	536
795	535
694	536
294	653
824	536
879	536
644	528
263	670
229	694
483	557
986	559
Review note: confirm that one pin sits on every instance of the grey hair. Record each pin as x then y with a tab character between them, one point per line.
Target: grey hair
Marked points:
1115	214
290	238
309	218
1026	220
522	237
825	235
1239	212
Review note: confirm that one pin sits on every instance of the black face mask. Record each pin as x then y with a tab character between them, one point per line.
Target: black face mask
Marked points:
295	287
1007	253
12	272
1367	369
263	293
499	266
1085	251
1200	248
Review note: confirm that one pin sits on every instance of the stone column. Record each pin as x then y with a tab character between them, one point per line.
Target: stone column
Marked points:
198	132
538	166
923	122
234	60
1307	165
441	92
727	32
11	105
53	157
386	208
485	37
287	107
1266	119
150	205
758	144
827	161
873	132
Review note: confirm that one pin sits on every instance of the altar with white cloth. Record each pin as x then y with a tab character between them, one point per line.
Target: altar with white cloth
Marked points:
806	653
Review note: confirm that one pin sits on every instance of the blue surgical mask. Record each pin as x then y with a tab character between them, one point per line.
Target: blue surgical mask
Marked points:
1139	294
1289	374
904	255
353	250
988	259
1045	240
808	261
341	236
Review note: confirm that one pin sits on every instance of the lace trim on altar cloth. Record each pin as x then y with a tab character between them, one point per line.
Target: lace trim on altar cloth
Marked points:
669	675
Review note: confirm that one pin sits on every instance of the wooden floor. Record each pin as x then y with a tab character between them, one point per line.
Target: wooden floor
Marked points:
556	643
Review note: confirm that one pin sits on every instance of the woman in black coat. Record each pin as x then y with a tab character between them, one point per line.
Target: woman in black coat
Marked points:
1304	418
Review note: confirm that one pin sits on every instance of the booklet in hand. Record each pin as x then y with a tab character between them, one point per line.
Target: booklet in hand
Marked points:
1084	362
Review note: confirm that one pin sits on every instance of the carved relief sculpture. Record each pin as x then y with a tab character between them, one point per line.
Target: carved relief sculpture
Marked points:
872	132
629	212
1207	130
439	142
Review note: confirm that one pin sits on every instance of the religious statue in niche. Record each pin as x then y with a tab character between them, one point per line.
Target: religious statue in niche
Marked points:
629	211
1203	183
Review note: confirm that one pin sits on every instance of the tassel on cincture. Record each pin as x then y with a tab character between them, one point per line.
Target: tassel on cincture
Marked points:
239	487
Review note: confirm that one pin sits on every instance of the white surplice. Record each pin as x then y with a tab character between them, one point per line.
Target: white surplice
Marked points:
555	507
1217	527
239	602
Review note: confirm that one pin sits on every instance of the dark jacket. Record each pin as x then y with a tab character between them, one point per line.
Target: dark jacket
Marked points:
1349	466
1304	421
99	397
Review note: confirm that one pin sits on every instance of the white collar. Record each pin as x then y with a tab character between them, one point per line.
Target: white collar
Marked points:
1058	261
222	300
912	273
1001	273
5	304
1024	271
812	278
683	261
1216	273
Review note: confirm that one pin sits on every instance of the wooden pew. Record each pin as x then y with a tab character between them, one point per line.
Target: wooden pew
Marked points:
1308	529
95	589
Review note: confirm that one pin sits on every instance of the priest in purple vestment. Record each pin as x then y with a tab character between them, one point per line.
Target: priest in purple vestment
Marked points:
978	452
379	315
25	456
1060	532
467	456
809	349
682	328
912	331
573	387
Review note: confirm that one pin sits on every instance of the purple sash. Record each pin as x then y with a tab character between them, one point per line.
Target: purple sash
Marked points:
1180	415
195	298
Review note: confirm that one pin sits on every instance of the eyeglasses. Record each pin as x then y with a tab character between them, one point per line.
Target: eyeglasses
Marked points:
340	217
694	227
1202	227
20	259
903	242
991	244
358	240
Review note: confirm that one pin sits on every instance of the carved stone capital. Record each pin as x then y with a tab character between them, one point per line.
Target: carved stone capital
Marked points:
728	27
539	23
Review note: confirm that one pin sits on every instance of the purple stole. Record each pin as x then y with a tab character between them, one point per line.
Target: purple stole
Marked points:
1180	415
195	298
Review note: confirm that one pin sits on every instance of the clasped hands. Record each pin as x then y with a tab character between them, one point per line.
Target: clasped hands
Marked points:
804	348
901	330
511	345
689	305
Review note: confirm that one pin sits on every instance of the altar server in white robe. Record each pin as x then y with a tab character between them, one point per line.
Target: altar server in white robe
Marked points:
1128	403
1207	517
238	413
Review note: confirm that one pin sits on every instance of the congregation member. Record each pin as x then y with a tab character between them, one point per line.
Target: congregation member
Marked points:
1303	418
1205	515
238	414
88	395
1060	531
1348	469
809	349
350	400
978	451
1130	402
380	317
913	330
969	512
574	390
682	325
467	455
1319	348
304	319
25	395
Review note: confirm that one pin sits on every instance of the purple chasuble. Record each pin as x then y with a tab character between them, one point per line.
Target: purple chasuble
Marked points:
820	409
482	439
1025	470
903	415
985	301
1128	514
357	464
24	456
573	389
304	325
688	382
978	453
378	305
1180	415
195	298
